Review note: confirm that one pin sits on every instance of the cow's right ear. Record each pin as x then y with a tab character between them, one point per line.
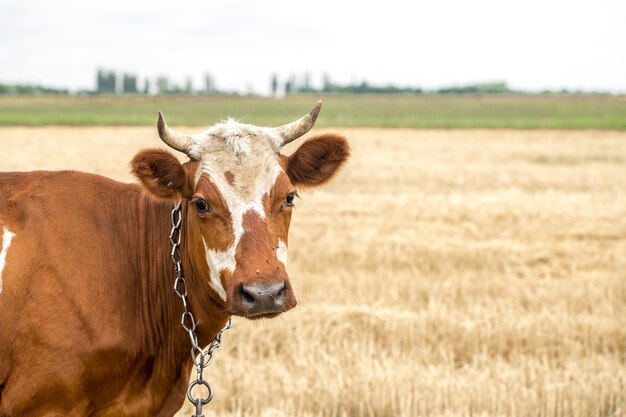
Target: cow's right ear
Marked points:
162	174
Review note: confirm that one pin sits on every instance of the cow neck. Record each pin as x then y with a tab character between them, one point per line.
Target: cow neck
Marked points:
159	314
159	309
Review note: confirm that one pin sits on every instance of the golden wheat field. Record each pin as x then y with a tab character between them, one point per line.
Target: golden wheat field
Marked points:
443	273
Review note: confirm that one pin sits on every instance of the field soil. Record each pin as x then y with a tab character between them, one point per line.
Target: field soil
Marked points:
443	273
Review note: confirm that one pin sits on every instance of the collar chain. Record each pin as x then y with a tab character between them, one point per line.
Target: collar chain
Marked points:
201	358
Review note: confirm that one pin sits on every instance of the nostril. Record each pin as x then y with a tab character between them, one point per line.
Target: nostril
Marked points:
246	297
282	291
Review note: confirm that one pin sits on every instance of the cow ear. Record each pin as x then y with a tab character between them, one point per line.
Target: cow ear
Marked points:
162	174
317	160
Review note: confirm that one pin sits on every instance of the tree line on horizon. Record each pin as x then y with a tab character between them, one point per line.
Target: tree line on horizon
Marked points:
111	82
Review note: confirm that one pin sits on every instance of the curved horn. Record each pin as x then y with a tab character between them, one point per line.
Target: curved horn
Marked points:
294	130
179	141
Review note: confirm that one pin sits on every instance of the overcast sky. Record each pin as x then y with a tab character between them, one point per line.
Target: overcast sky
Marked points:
531	44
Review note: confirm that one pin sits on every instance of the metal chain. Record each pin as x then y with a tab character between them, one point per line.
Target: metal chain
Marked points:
201	358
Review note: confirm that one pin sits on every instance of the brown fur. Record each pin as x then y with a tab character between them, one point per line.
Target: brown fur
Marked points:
230	177
88	321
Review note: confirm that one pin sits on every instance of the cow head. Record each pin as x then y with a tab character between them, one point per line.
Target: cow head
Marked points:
239	193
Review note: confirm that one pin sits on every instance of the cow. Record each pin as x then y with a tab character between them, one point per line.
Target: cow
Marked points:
89	321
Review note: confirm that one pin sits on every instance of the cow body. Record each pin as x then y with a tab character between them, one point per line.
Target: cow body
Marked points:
88	319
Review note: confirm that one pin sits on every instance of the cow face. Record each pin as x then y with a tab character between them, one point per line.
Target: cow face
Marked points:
239	193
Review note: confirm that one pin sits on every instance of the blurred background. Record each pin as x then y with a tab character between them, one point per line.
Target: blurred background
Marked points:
470	259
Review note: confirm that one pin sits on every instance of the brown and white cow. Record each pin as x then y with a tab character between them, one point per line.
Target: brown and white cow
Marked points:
89	322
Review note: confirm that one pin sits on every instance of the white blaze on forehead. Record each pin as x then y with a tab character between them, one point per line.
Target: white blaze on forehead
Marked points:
281	252
7	236
250	154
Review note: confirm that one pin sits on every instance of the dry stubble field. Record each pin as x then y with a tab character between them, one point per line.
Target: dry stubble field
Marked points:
444	273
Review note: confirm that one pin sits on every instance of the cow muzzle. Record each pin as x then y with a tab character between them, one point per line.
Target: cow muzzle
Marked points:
266	299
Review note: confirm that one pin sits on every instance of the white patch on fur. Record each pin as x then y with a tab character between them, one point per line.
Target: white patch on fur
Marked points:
281	252
7	237
218	261
250	153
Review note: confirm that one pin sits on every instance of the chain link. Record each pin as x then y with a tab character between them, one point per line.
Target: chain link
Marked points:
201	358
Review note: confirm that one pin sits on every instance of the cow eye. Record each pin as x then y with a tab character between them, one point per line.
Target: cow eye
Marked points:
202	206
289	199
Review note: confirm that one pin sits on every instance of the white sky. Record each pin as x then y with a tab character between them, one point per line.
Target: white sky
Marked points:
532	44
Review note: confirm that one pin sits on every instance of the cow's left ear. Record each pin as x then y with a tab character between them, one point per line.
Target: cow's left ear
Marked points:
317	160
162	174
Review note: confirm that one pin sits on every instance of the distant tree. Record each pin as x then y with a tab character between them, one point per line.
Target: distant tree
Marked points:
306	85
487	88
105	82
274	84
288	86
327	85
112	82
364	87
162	85
209	84
129	84
99	79
146	86
174	89
30	89
188	86
294	83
